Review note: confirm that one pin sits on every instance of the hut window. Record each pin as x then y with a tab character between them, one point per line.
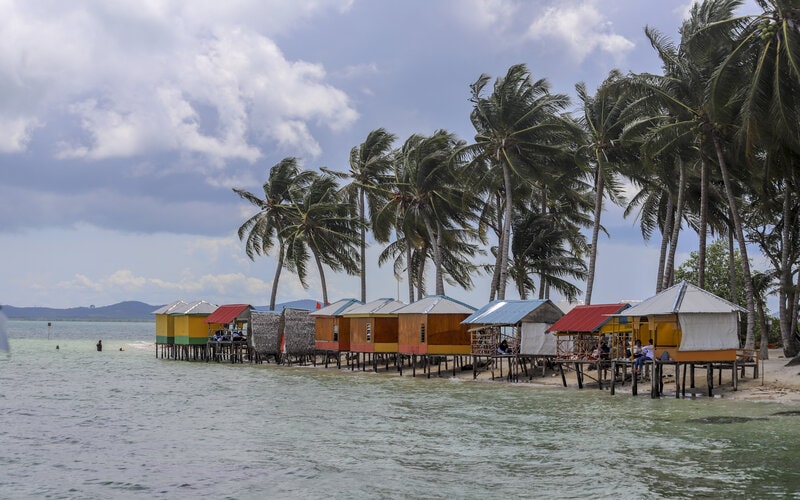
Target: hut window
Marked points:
422	333
369	332
335	333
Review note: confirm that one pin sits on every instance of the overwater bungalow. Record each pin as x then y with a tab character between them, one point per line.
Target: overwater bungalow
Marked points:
689	326
191	330
332	328
520	325
578	333
433	325
229	332
165	322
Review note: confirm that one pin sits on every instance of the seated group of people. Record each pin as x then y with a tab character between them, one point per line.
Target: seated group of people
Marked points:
227	336
642	354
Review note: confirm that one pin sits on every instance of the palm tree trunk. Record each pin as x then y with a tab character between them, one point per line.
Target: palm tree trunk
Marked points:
506	238
669	272
436	238
787	300
598	210
732	283
665	233
274	294
703	230
496	270
321	276
737	223
423	257
363	245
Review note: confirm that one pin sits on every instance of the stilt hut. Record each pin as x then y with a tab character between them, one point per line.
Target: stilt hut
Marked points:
522	323
579	332
689	324
266	334
332	327
229	332
190	325
373	326
433	325
165	322
298	335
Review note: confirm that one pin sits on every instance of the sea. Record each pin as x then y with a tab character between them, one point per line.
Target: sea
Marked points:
122	423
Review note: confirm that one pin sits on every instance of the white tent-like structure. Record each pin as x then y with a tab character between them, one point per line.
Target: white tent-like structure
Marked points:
524	321
689	323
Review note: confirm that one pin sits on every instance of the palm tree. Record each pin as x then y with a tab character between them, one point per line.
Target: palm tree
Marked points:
263	230
683	91
318	222
435	199
604	120
518	126
370	163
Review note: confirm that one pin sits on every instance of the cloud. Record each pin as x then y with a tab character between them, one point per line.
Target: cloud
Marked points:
201	79
582	27
486	14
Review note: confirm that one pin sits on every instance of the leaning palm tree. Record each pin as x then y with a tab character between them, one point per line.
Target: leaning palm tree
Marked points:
518	127
263	231
319	224
604	120
370	163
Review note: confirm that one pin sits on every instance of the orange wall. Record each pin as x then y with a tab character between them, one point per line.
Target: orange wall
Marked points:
444	334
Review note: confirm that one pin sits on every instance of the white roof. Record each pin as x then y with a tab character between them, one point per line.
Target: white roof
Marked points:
437	304
682	298
377	306
196	307
171	307
338	308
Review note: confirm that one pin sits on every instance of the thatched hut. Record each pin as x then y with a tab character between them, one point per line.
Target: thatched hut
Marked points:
266	332
332	327
433	326
298	333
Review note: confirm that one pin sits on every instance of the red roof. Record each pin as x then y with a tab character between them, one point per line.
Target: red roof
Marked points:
585	319
226	314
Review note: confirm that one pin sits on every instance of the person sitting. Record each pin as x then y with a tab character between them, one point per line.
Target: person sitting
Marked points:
648	353
503	348
605	351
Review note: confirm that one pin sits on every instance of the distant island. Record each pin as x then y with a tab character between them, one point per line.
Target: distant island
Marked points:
122	311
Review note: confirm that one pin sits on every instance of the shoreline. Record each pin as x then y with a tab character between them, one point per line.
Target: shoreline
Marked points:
776	382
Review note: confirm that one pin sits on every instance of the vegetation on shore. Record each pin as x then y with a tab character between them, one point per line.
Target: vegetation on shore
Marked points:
709	145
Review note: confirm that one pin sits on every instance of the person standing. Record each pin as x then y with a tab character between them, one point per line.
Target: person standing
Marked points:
99	345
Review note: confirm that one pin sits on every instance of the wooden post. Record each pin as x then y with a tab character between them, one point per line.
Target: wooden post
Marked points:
634	383
691	378
735	376
563	377
474	367
413	365
710	379
613	376
580	375
677	380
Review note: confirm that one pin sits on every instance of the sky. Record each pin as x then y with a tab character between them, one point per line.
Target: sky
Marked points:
125	125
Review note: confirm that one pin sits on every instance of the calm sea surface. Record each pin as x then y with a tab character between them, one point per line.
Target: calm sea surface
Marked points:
77	423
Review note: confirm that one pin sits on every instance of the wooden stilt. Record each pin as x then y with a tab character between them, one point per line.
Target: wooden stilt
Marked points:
735	377
613	376
710	379
563	377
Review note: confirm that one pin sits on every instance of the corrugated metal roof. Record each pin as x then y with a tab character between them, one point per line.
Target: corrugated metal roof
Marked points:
683	298
199	307
226	313
587	318
338	308
376	307
503	312
437	304
168	309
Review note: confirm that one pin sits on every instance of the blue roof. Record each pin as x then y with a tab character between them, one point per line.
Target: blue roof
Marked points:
305	304
503	312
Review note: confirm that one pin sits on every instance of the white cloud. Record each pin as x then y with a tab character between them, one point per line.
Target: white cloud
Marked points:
486	14
152	77
582	27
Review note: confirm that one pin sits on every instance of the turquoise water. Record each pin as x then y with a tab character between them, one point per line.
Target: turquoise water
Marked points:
76	423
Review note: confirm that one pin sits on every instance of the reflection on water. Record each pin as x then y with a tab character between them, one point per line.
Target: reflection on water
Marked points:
79	423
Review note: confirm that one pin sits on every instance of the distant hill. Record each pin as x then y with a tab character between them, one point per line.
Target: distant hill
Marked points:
129	310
